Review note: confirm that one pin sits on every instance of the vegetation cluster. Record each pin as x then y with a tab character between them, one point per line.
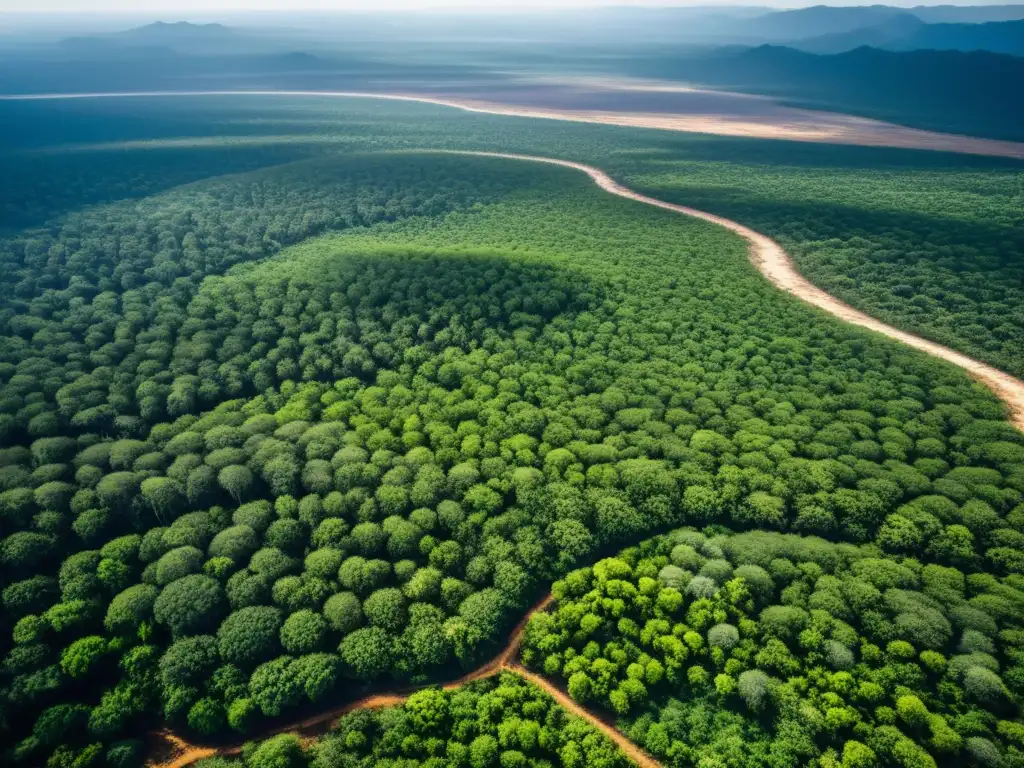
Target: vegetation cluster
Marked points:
503	722
775	649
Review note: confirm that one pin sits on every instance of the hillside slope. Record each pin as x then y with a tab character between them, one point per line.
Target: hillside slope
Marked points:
976	93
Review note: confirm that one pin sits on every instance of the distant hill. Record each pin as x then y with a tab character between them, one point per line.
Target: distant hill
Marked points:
979	93
180	37
967	14
906	32
995	36
829	29
815	21
897	27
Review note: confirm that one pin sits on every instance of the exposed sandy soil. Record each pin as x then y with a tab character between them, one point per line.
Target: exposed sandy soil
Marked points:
678	107
672	108
775	264
170	750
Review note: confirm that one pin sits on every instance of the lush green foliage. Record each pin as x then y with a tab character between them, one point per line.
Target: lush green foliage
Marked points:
937	248
772	649
496	722
77	298
927	241
242	477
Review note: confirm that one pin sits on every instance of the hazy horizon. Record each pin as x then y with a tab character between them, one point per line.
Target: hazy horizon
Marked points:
180	9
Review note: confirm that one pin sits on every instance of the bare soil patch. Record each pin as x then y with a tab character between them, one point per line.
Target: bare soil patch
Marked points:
663	107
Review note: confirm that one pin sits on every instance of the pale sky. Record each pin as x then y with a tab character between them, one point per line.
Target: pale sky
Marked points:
182	8
139	7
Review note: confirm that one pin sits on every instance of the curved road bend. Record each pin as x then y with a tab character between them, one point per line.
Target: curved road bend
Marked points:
184	753
775	264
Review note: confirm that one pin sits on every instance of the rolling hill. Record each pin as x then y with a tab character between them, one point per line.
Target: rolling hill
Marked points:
995	36
906	32
977	93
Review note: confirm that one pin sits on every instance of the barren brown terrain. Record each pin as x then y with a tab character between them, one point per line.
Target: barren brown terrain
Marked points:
658	106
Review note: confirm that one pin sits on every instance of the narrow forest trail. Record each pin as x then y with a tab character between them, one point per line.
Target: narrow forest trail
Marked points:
628	748
774	263
176	752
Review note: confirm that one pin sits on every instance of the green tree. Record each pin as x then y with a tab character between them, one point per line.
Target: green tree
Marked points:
303	632
190	605
250	635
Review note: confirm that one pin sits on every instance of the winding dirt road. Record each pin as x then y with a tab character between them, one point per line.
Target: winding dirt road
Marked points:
775	264
179	753
767	255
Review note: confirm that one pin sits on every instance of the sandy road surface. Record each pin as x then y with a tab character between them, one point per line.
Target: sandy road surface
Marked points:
176	752
773	122
631	750
775	264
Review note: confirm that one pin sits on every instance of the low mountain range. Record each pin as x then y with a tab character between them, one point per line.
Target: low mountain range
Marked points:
978	93
817	29
906	32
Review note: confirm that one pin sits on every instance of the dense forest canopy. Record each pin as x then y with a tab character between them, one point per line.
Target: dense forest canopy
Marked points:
305	424
774	649
927	241
505	722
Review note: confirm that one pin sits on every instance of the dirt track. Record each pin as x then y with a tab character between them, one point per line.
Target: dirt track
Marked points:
774	263
184	754
772	122
181	753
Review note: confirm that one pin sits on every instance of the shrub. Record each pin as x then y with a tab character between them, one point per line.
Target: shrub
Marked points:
343	612
250	635
191	605
754	687
303	632
723	636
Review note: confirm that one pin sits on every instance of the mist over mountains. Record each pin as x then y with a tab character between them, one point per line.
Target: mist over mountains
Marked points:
949	68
